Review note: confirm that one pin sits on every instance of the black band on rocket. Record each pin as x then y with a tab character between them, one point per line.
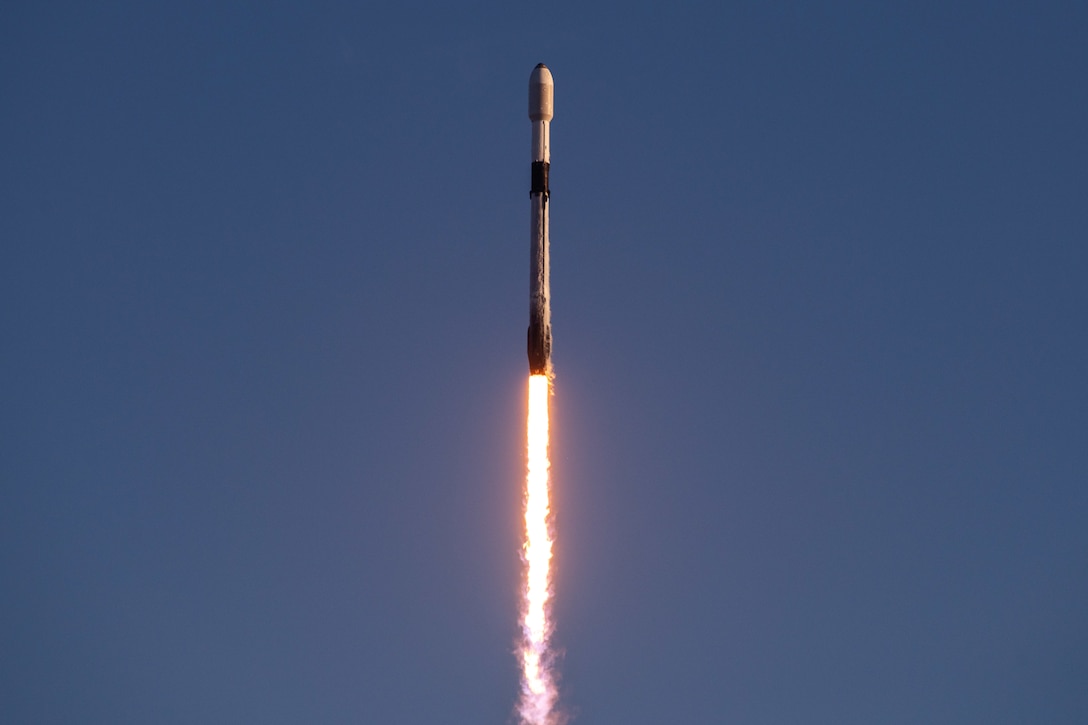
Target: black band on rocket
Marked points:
540	178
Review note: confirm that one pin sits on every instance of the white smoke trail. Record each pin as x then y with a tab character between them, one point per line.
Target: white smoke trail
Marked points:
538	681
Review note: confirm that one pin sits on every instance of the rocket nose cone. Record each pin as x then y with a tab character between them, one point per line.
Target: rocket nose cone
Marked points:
540	93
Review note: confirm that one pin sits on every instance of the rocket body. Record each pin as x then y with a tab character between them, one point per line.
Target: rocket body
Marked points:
540	323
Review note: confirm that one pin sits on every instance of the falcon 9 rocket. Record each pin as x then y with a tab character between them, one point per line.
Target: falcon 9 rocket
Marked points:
540	313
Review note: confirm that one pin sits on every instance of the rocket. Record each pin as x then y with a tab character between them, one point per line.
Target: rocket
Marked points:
540	312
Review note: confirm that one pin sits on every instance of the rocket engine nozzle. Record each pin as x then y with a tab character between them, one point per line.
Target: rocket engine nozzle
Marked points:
539	348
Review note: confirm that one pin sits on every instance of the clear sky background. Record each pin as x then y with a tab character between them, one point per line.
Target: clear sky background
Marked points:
821	416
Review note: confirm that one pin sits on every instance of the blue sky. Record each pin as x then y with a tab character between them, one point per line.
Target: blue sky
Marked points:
820	426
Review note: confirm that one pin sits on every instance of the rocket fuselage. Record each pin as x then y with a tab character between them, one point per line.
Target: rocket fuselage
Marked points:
540	313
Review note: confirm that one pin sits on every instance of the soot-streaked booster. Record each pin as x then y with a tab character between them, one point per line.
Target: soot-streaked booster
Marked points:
540	311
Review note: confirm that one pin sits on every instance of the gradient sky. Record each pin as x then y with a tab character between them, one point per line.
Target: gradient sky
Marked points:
821	415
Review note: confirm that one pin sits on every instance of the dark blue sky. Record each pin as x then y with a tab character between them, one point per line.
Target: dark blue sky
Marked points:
821	416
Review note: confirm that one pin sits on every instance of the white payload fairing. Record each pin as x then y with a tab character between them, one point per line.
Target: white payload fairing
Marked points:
540	313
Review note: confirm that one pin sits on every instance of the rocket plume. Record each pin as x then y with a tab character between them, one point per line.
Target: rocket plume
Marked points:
538	682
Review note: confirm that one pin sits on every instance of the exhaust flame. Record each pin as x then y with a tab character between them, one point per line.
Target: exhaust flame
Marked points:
538	687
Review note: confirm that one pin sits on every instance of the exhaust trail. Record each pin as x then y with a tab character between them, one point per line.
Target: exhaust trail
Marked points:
537	705
538	689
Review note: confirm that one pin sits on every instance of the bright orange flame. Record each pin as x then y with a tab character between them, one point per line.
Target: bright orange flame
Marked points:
538	691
